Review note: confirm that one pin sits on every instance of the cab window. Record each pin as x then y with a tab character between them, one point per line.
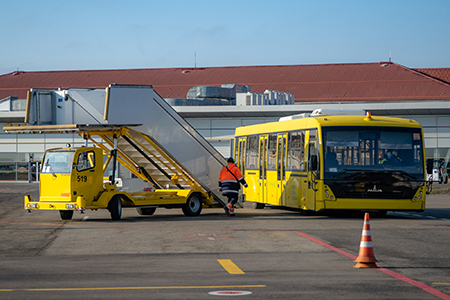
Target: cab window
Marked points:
86	160
57	161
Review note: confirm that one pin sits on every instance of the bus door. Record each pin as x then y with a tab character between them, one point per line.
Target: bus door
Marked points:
281	168
263	182
240	157
312	176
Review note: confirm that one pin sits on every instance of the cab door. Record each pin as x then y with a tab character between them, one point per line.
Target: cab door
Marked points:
263	182
87	174
281	168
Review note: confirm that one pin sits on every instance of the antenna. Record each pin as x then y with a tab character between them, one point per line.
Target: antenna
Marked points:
195	56
390	56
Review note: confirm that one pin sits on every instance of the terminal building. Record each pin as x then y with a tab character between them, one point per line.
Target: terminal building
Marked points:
216	100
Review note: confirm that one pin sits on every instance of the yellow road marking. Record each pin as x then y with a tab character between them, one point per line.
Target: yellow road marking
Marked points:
136	288
445	283
231	268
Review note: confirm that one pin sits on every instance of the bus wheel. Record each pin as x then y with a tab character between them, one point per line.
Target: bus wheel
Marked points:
256	205
66	214
380	214
146	211
193	206
305	212
429	187
115	208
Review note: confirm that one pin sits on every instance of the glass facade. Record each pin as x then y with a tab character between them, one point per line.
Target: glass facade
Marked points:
20	153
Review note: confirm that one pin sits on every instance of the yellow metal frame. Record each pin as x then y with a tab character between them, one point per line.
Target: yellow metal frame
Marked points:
127	162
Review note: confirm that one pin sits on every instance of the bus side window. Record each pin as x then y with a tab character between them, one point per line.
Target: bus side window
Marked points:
236	148
240	160
252	153
272	159
296	152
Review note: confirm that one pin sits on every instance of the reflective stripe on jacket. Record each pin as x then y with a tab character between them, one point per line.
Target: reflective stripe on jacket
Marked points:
228	182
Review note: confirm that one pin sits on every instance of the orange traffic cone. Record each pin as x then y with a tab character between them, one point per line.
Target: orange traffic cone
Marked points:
366	258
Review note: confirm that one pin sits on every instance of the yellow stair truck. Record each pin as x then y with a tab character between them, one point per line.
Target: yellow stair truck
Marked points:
172	165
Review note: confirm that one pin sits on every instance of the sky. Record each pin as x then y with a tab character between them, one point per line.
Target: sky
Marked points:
43	35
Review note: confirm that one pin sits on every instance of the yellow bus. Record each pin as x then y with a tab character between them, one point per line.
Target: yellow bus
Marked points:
334	162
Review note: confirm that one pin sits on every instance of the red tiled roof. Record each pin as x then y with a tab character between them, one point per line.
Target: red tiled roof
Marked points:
309	83
438	73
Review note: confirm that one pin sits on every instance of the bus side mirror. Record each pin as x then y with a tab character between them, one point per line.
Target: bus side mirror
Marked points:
430	166
313	163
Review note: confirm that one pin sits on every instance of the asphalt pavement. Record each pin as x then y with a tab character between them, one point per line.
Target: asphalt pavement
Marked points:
261	254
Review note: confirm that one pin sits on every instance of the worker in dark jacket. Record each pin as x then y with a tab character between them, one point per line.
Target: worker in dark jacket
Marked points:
230	179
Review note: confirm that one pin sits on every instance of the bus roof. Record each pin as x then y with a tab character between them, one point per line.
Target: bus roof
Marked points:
325	121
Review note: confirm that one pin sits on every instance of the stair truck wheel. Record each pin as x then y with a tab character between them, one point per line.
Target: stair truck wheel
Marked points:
66	214
256	205
193	206
146	211
115	208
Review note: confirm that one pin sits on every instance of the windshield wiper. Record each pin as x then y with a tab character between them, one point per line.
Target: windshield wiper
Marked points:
53	172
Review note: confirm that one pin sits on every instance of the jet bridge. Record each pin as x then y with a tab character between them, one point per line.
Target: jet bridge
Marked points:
152	140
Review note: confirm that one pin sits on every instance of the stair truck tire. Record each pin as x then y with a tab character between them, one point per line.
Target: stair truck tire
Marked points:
115	208
256	205
146	211
193	206
66	214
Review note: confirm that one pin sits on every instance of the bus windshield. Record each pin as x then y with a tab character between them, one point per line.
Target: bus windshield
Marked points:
59	161
383	149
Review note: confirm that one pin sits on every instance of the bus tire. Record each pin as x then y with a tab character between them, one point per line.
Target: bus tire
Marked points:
66	214
257	205
146	211
306	212
115	208
193	206
429	187
380	214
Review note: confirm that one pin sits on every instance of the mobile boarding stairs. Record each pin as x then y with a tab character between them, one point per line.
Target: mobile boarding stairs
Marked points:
134	126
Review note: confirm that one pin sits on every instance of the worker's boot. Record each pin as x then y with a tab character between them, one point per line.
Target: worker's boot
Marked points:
231	213
226	208
230	210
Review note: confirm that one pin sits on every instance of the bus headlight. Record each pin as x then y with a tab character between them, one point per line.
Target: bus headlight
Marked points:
328	193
